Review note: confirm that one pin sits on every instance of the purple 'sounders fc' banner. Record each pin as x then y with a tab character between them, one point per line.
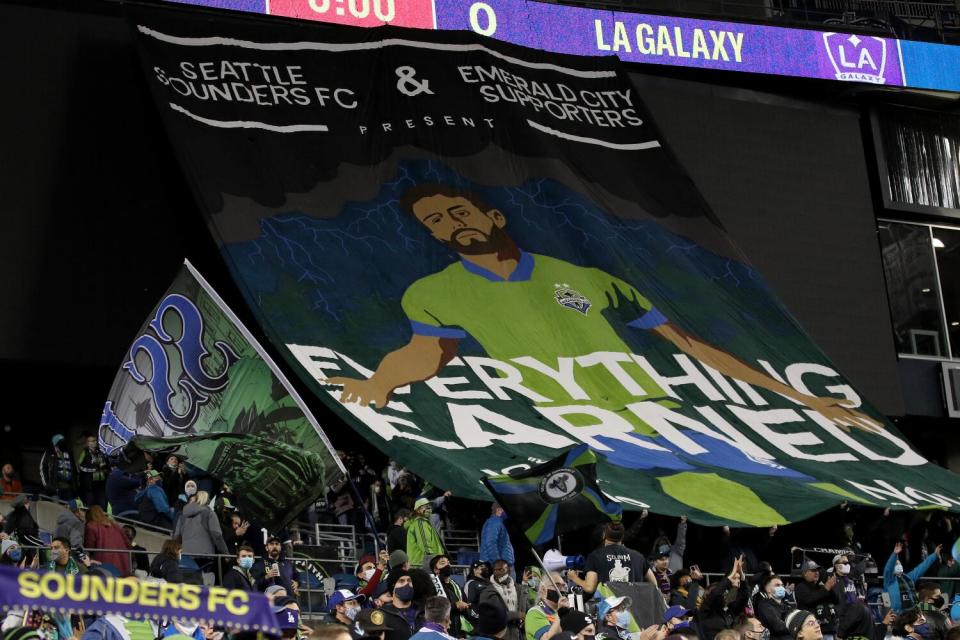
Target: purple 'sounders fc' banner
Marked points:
480	255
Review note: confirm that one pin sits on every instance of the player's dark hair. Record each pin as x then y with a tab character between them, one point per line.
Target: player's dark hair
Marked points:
613	531
428	189
64	541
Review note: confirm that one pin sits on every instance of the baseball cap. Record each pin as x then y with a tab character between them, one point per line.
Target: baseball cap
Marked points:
364	560
288	618
274	588
421	502
676	611
837	557
809	565
280	603
379	590
663	551
611	603
153	473
76	505
343	595
371	621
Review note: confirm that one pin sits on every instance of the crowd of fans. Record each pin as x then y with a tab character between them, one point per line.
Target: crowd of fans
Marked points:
413	587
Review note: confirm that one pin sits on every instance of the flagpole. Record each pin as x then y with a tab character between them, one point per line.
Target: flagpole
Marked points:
546	571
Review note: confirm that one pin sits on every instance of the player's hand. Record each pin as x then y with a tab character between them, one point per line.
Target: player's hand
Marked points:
362	392
837	411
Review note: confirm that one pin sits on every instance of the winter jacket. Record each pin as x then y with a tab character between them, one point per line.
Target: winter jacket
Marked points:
153	506
121	489
715	614
821	602
771	615
70	527
166	567
903	599
285	580
239	579
396	538
21	524
199	531
108	536
495	542
57	470
422	540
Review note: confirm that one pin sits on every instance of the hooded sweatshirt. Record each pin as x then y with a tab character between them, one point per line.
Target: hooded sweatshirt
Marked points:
199	531
70	527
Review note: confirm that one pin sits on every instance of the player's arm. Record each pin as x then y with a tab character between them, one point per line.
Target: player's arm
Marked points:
418	360
833	408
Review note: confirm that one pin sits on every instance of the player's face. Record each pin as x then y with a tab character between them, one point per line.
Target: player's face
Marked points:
459	224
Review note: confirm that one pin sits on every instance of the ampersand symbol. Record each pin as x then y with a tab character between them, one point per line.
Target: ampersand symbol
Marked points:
408	85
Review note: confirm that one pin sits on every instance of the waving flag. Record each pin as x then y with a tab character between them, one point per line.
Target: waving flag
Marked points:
555	497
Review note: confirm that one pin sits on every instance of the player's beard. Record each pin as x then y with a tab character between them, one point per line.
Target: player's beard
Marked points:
495	242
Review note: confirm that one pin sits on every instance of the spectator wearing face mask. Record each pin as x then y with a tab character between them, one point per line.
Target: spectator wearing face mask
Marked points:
910	624
370	572
900	585
422	539
844	587
931	604
542	621
615	618
344	605
240	576
749	628
10	554
401	615
441	573
771	607
511	595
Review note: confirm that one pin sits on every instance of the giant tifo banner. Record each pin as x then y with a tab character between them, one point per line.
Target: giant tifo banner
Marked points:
197	383
647	38
480	255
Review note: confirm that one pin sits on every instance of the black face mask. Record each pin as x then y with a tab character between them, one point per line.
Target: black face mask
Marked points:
553	595
485	573
937	602
446	571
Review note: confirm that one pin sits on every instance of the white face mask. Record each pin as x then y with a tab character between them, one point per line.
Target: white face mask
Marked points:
368	574
898	569
843	569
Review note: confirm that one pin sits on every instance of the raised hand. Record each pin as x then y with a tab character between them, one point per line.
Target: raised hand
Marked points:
897	548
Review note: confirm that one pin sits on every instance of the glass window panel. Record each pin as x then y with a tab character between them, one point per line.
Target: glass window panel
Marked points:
946	246
908	263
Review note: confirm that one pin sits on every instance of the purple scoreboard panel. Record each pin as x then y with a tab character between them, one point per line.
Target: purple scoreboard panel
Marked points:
644	38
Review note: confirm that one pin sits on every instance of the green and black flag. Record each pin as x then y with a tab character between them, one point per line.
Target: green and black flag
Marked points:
555	497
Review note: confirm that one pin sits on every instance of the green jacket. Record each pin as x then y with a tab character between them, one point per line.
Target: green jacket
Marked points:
422	541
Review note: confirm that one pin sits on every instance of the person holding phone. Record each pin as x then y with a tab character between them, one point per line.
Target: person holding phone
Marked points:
273	568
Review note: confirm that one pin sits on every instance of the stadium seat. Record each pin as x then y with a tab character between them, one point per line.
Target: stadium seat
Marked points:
459	579
346	581
467	557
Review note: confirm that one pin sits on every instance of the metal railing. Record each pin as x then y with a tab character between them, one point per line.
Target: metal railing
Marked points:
456	539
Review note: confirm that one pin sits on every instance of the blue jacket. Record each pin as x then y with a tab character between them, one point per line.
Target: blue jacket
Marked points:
892	586
494	542
155	494
121	489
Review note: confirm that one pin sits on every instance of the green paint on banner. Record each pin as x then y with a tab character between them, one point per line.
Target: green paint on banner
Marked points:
721	497
840	491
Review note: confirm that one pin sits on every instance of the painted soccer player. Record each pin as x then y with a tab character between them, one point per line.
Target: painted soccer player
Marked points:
524	307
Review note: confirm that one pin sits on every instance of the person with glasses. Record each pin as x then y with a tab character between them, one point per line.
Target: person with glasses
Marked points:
803	625
542	621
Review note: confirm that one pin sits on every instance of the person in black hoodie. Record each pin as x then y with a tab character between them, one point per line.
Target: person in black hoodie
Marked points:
166	564
770	606
818	598
397	535
723	602
857	623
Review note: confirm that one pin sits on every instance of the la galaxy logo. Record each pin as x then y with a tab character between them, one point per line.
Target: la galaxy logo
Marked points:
857	59
571	298
561	485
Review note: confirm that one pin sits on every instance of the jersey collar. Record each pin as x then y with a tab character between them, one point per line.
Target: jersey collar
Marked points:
522	273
